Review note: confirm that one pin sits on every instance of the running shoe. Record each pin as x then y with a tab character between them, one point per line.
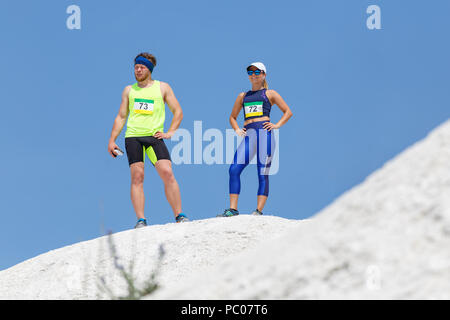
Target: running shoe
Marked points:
141	223
257	213
229	213
181	218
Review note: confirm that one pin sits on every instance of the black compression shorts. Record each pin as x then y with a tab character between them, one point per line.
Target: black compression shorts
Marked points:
137	147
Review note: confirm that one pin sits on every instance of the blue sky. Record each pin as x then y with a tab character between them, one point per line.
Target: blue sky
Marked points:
359	97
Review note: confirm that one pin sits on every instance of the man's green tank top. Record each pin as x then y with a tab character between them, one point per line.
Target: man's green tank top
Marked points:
146	111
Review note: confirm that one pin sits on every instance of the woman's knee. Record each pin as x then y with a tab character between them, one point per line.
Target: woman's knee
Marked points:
235	170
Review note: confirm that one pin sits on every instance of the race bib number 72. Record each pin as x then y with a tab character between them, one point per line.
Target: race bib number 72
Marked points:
253	109
143	106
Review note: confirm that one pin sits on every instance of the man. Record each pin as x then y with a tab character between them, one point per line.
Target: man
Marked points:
144	105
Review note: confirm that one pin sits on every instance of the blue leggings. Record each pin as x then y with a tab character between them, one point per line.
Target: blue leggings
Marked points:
257	141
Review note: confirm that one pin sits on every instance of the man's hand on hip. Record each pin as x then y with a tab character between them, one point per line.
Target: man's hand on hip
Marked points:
162	135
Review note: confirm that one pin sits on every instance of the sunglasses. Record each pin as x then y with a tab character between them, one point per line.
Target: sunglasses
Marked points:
256	72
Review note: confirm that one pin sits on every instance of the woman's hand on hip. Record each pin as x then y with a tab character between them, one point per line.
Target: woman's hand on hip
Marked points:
270	126
241	132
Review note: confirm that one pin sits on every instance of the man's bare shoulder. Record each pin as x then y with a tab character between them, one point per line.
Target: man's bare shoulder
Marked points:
165	88
164	85
127	89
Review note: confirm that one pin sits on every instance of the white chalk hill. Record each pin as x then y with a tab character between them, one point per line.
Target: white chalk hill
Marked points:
387	238
76	271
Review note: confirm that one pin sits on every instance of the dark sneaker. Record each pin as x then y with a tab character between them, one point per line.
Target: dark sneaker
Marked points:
229	213
257	213
181	218
141	223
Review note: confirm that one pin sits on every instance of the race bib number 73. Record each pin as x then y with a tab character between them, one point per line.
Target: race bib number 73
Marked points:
253	109
144	106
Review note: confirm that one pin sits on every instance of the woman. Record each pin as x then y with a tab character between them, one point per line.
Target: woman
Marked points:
257	133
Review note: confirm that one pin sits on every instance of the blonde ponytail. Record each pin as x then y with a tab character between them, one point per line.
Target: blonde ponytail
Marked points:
265	84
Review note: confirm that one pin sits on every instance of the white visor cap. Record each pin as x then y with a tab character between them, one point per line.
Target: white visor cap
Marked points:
258	65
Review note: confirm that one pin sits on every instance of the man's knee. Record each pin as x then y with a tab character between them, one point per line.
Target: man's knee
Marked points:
167	175
137	174
137	179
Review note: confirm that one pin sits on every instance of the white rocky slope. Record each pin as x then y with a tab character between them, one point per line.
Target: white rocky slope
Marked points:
387	238
75	271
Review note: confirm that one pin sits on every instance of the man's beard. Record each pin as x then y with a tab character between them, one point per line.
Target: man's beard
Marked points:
141	78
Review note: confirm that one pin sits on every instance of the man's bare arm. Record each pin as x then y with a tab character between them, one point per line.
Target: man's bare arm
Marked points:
175	108
120	121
